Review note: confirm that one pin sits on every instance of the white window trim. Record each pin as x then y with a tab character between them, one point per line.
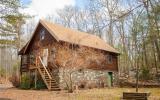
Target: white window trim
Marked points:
42	34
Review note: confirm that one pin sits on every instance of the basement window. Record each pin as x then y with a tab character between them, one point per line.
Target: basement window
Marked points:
42	34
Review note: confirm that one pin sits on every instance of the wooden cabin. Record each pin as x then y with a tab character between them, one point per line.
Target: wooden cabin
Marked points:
54	48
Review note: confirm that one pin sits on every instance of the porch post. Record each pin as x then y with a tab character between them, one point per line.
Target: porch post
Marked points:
29	78
20	69
35	79
20	79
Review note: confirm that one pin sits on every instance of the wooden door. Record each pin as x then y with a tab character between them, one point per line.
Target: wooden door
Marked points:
45	57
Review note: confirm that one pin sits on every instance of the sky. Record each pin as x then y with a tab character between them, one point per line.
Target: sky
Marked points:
43	8
40	9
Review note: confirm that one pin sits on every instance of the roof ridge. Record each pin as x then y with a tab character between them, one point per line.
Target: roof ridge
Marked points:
76	32
71	29
61	33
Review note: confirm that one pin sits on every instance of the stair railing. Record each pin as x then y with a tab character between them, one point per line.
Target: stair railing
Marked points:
45	68
46	72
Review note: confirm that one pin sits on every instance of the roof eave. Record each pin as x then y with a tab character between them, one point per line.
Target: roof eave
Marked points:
48	29
44	25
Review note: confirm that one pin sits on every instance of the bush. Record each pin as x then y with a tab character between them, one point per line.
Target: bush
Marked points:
25	82
40	84
14	79
15	67
82	84
145	74
2	72
91	85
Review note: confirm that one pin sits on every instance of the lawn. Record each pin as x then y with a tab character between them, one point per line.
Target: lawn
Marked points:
89	94
113	93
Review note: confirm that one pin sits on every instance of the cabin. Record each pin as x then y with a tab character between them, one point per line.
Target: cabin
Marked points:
55	51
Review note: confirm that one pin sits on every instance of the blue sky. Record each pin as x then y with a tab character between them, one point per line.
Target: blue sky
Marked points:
43	8
25	2
79	3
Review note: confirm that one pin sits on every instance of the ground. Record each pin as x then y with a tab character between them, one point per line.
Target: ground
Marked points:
9	93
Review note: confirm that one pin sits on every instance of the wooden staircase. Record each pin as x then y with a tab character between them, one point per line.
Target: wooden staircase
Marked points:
47	77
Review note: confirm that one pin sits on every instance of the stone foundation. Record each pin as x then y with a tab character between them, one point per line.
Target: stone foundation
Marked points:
85	78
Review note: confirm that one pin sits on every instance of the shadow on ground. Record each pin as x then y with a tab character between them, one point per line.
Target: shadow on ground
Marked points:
5	99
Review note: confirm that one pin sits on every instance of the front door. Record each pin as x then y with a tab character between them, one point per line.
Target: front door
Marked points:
45	57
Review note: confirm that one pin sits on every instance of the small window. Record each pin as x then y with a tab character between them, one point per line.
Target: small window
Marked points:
42	34
110	59
73	46
24	59
53	52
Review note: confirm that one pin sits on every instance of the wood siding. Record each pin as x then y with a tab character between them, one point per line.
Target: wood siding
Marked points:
61	52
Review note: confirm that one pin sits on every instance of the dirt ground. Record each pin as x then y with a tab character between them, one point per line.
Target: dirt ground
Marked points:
7	92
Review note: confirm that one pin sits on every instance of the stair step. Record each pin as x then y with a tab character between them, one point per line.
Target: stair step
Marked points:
50	81
54	86
55	89
47	78
46	75
53	81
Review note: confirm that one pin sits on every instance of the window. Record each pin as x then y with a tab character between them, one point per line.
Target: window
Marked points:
24	59
53	52
42	34
32	58
110	59
73	46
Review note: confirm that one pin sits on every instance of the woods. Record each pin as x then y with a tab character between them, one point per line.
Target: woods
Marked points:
134	31
132	27
11	21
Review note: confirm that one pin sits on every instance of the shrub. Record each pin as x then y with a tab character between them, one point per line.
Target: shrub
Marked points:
2	72
25	82
102	81
82	84
65	88
40	84
91	85
145	74
16	66
14	79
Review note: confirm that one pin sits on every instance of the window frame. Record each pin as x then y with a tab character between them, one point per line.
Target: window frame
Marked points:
109	59
42	34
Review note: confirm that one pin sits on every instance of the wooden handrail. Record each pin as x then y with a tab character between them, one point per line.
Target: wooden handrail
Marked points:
45	68
55	65
53	76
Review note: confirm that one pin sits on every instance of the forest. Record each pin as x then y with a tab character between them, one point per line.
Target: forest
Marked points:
132	27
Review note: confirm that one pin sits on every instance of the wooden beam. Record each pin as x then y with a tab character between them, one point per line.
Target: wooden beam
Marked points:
35	79
29	78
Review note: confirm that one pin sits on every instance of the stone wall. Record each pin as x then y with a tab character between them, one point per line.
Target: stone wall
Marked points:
85	78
